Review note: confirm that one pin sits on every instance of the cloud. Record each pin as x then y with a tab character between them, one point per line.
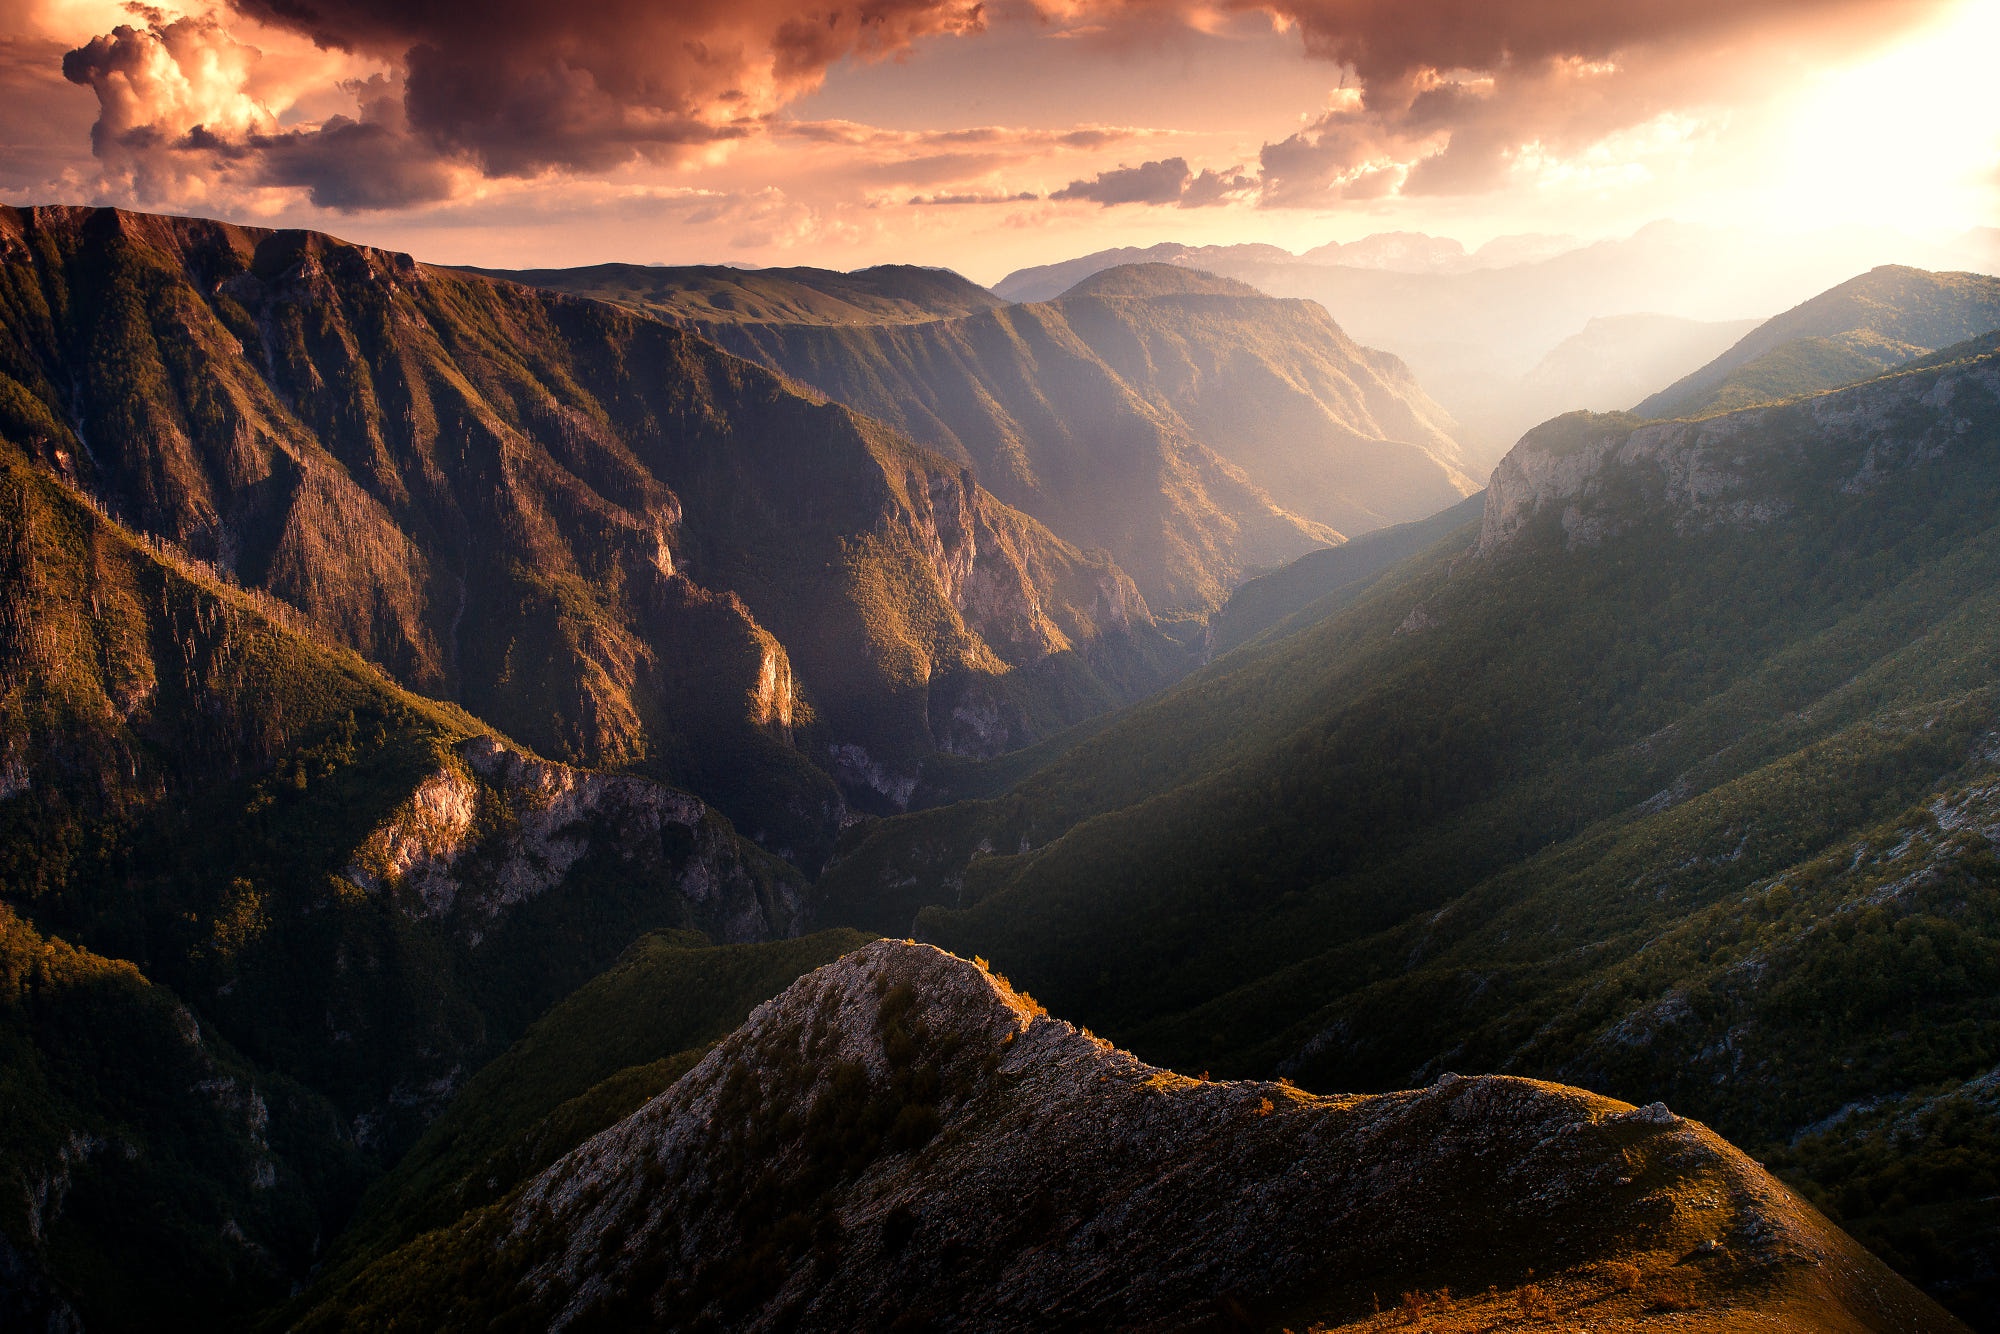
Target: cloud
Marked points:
522	86
1438	96
1148	183
1169	181
1210	188
177	115
466	88
999	197
1455	96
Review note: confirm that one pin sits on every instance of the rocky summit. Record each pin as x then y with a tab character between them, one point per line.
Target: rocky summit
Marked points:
902	1140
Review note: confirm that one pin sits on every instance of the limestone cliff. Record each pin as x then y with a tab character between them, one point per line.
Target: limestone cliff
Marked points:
1596	475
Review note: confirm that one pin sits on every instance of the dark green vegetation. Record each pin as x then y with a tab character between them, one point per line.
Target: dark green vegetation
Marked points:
1861	328
263	910
1189	426
590	1062
1913	1179
1623	794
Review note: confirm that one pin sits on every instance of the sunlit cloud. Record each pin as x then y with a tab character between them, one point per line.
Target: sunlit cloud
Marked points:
1418	113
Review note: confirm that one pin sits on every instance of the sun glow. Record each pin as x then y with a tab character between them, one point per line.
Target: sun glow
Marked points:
1909	138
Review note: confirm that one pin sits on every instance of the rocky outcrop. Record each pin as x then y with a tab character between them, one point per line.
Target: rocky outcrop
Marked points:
481	836
1598	475
902	1135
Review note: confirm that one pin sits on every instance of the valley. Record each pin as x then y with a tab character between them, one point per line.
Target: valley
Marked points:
693	797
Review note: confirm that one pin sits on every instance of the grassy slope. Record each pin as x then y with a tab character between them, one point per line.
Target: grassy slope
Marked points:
1490	840
1866	325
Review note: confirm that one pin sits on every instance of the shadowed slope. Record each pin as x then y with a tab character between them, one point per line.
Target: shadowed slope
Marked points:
1567	800
355	894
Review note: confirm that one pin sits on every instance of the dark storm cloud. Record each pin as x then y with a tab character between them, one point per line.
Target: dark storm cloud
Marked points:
518	86
502	89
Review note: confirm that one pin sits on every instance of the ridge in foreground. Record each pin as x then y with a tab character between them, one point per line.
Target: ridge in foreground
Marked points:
901	1140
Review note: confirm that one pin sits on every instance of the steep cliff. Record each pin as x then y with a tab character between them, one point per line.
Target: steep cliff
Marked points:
901	1137
261	913
598	532
1597	475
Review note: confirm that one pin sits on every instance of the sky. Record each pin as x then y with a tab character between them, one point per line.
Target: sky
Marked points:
990	136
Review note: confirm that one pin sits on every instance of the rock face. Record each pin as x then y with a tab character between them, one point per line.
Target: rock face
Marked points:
1596	475
480	837
601	534
901	1136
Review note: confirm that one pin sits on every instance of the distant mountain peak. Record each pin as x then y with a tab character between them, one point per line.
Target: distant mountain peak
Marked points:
1153	279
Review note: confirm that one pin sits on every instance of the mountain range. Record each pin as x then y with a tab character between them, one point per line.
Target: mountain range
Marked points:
462	736
1191	427
1885	317
1474	328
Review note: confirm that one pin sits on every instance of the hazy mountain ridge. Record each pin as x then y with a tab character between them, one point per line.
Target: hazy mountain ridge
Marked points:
1866	325
1192	428
1615	360
912	1103
1474	332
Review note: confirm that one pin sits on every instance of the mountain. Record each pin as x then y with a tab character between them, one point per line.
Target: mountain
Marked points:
902	1132
1472	330
1666	778
1401	252
1859	329
710	294
598	533
1190	427
262	911
1046	281
1298	589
